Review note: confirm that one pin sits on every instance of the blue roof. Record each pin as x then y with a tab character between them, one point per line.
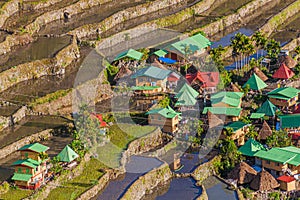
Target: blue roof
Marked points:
167	60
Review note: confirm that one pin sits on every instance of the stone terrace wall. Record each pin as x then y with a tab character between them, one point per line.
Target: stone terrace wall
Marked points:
147	182
281	18
143	144
8	9
205	170
10	120
122	16
18	144
39	68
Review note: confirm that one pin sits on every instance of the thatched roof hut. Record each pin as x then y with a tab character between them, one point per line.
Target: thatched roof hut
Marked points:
243	173
288	61
123	72
235	88
265	131
264	181
257	71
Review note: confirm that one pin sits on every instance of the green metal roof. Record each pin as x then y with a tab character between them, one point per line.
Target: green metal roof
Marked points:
280	155
67	155
186	98
37	147
251	147
230	98
167	112
144	87
291	149
257	115
255	83
131	53
235	125
153	72
27	162
192	44
268	108
187	87
161	53
223	111
285	93
21	177
289	121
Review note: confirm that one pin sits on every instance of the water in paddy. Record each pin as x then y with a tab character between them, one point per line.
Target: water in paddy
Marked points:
177	188
27	16
42	48
56	144
28	126
27	91
137	166
216	189
92	15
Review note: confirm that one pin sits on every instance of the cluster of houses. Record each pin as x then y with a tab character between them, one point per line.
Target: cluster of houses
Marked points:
32	170
270	168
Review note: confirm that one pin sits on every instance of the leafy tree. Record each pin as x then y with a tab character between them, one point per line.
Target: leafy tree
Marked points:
145	52
279	139
297	50
43	156
216	55
56	167
273	49
260	41
252	133
164	102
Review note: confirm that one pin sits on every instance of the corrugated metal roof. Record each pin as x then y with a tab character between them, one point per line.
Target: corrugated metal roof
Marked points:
284	93
223	111
21	177
235	125
27	162
255	83
289	121
268	108
167	112
67	155
131	53
251	147
37	147
153	72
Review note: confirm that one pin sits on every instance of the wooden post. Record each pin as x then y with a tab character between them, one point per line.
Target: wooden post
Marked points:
177	163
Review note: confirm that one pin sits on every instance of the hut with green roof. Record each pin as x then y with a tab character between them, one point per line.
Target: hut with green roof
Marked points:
227	99
167	118
251	147
31	169
240	129
284	97
255	83
186	97
67	155
230	114
129	54
268	109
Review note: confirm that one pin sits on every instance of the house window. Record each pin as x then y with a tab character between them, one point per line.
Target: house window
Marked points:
27	171
20	170
268	162
36	169
159	117
277	164
26	155
152	117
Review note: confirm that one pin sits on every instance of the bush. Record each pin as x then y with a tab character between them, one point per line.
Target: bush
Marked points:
4	187
247	193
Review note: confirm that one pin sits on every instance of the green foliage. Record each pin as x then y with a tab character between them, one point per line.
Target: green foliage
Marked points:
145	52
273	49
246	89
164	102
43	156
110	72
274	196
279	139
228	131
217	57
252	133
247	193
15	193
56	167
50	97
226	79
4	187
297	50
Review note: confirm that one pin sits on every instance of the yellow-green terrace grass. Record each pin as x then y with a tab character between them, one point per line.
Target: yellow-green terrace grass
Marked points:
15	194
73	188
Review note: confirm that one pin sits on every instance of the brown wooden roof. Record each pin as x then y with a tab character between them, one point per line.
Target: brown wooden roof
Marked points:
288	61
242	172
257	71
123	71
265	131
264	181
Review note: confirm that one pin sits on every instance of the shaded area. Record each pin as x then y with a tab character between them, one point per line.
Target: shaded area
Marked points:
27	91
178	188
92	15
136	167
41	48
27	16
28	126
3	35
56	144
216	189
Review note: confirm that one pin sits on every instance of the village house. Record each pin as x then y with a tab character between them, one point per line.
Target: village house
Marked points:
30	171
228	114
280	161
255	83
166	118
186	98
227	99
130	54
207	81
291	123
287	183
240	129
150	80
284	97
191	46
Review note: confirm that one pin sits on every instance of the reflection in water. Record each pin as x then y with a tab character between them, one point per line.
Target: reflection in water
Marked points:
28	126
42	48
216	189
137	166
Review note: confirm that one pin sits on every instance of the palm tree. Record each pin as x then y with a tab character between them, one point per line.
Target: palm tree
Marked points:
260	41
273	49
236	47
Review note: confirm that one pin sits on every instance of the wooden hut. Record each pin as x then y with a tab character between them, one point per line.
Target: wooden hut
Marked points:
288	61
256	71
243	173
265	131
287	183
264	181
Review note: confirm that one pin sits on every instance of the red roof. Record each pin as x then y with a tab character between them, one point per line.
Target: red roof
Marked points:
209	79
99	117
283	72
173	77
286	178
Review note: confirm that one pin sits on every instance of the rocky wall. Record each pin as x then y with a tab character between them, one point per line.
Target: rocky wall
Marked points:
6	121
9	149
122	16
8	9
38	68
281	18
205	170
143	144
54	15
144	184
